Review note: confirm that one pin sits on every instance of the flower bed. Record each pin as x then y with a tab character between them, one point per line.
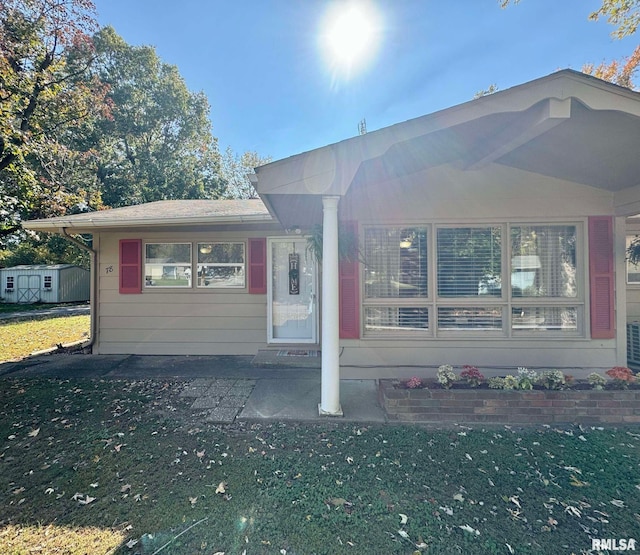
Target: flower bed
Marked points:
527	399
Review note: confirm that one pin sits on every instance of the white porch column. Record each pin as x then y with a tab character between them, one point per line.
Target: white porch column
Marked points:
330	384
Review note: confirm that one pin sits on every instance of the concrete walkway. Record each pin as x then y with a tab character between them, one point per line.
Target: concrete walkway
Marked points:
223	388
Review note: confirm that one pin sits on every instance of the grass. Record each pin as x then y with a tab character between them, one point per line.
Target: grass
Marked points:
21	337
127	467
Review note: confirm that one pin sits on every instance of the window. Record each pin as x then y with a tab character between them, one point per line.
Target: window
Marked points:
633	270
10	283
167	265
47	282
395	280
500	280
544	284
221	265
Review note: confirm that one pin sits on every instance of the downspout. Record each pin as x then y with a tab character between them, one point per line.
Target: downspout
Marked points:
94	285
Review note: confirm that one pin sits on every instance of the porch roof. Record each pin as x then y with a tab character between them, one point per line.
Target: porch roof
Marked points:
568	126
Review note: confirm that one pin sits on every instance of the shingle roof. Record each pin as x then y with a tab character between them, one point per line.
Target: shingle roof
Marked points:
163	212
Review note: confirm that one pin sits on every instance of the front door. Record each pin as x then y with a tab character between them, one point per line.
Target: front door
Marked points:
291	292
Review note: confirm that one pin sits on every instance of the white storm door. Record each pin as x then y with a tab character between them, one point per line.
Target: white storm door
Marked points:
291	292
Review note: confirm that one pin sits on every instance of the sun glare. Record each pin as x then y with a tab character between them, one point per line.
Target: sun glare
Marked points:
350	35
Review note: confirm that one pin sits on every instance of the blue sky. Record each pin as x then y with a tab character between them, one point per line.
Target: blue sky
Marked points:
261	65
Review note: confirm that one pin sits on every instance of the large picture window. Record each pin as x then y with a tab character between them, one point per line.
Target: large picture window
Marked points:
221	265
501	280
167	265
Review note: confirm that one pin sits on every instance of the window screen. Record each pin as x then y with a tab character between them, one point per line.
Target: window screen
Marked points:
469	261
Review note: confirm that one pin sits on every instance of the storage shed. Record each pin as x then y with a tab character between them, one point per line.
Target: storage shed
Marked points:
55	283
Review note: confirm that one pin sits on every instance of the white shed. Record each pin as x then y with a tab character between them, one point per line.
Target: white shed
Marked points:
55	283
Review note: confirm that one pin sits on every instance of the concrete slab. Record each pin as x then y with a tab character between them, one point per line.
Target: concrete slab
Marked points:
222	415
297	399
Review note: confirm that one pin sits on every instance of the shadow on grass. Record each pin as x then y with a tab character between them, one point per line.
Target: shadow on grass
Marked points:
127	467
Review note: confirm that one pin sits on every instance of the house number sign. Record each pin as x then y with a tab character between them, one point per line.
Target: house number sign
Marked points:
294	274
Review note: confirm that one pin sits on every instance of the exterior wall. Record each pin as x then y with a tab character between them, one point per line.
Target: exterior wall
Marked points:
176	321
495	194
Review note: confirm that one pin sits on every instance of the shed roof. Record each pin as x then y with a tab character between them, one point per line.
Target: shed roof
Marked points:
50	267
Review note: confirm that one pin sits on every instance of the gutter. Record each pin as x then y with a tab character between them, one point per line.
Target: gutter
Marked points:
94	285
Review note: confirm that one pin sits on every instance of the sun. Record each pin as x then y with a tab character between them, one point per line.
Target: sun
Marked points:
350	35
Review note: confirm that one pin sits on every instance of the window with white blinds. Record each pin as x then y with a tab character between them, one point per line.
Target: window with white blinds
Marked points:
396	262
503	280
543	261
395	280
469	261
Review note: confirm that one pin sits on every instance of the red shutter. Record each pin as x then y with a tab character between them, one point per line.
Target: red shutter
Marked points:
130	266
258	266
601	277
349	286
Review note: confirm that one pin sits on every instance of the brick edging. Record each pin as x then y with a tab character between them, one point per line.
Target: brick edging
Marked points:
510	406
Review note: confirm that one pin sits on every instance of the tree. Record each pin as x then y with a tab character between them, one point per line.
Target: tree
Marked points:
618	72
45	92
157	143
236	170
624	14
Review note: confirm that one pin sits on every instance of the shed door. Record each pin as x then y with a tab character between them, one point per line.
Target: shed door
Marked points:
28	289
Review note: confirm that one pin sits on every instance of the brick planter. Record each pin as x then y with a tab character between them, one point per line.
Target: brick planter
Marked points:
510	407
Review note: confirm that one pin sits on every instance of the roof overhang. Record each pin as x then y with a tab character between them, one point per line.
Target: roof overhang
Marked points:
181	214
567	125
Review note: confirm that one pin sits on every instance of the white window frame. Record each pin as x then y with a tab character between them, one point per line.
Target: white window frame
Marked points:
505	302
629	265
243	265
149	278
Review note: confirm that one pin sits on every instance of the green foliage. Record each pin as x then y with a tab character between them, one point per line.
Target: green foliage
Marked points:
46	93
235	171
157	143
44	249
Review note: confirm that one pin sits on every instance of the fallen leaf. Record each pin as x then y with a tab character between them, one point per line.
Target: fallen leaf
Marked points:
131	543
87	500
49	491
34	433
221	487
617	503
469	529
125	488
403	534
458	497
403	518
193	501
94	485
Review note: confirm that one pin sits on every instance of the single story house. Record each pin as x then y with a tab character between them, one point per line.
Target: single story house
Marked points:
491	233
44	283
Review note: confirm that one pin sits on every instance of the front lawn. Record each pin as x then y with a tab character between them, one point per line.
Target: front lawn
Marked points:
93	466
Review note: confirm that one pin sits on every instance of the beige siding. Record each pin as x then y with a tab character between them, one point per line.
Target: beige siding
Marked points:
176	321
497	194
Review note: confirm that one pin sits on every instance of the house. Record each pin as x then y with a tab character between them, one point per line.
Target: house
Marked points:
44	283
491	233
